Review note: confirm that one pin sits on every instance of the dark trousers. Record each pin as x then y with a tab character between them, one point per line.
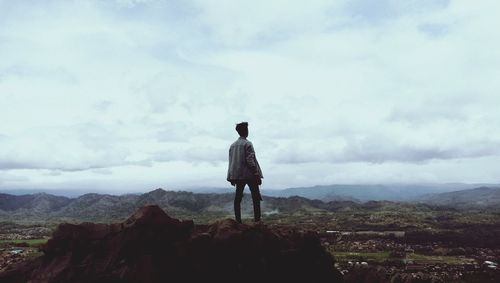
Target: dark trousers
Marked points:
256	198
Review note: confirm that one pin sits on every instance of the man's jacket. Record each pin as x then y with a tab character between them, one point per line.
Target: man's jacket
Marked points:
243	164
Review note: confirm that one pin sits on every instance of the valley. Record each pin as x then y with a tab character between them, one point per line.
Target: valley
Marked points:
381	239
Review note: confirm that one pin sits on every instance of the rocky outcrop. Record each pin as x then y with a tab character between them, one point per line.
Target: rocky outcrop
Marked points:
150	246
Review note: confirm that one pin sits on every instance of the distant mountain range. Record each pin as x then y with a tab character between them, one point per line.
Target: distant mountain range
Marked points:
483	197
201	207
462	196
336	192
390	192
42	207
106	208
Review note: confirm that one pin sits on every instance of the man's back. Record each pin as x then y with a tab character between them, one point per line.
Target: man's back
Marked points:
243	164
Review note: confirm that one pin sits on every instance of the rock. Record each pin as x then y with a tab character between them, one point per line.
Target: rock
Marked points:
151	247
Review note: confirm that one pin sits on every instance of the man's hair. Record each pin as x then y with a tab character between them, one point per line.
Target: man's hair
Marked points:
241	128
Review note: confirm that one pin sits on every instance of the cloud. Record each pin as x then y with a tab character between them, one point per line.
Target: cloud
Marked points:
378	149
81	147
432	110
6	179
374	12
103	105
148	92
179	131
434	30
260	23
38	73
211	154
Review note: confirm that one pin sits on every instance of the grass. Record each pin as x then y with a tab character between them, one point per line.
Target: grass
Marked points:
416	258
430	259
31	242
34	254
377	256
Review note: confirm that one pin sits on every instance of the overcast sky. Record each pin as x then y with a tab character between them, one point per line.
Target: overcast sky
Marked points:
136	95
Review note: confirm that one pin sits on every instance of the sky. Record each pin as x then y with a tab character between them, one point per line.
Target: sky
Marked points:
135	95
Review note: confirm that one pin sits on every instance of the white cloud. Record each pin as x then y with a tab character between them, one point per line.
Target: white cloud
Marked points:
146	93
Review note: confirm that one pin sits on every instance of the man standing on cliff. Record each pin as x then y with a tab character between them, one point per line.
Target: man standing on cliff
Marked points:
244	170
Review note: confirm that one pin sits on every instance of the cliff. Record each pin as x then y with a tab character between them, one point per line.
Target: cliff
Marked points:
150	246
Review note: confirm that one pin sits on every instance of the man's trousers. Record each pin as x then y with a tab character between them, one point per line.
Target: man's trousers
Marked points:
256	198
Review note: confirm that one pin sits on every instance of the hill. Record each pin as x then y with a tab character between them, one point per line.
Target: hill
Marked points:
39	202
202	208
206	208
483	197
107	208
335	192
391	192
152	247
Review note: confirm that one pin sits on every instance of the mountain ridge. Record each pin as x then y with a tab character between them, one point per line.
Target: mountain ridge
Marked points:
201	207
362	193
354	192
482	197
206	206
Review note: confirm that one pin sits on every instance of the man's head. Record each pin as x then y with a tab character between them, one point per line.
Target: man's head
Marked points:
242	129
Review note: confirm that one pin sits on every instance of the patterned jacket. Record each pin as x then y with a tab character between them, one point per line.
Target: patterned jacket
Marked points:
243	164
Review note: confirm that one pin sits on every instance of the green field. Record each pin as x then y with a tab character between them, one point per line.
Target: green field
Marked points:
31	242
416	258
377	256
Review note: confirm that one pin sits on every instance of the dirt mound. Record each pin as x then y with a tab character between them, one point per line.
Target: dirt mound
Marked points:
150	246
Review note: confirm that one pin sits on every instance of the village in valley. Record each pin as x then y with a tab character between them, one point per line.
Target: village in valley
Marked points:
389	254
389	240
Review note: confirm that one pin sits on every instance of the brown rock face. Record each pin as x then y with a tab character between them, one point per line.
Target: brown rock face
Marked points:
150	246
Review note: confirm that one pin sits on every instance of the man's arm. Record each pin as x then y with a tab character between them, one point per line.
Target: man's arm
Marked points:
250	159
229	166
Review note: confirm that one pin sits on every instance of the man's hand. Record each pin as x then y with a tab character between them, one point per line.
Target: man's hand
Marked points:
257	178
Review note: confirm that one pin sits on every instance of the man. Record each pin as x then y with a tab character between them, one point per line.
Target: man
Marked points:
244	170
